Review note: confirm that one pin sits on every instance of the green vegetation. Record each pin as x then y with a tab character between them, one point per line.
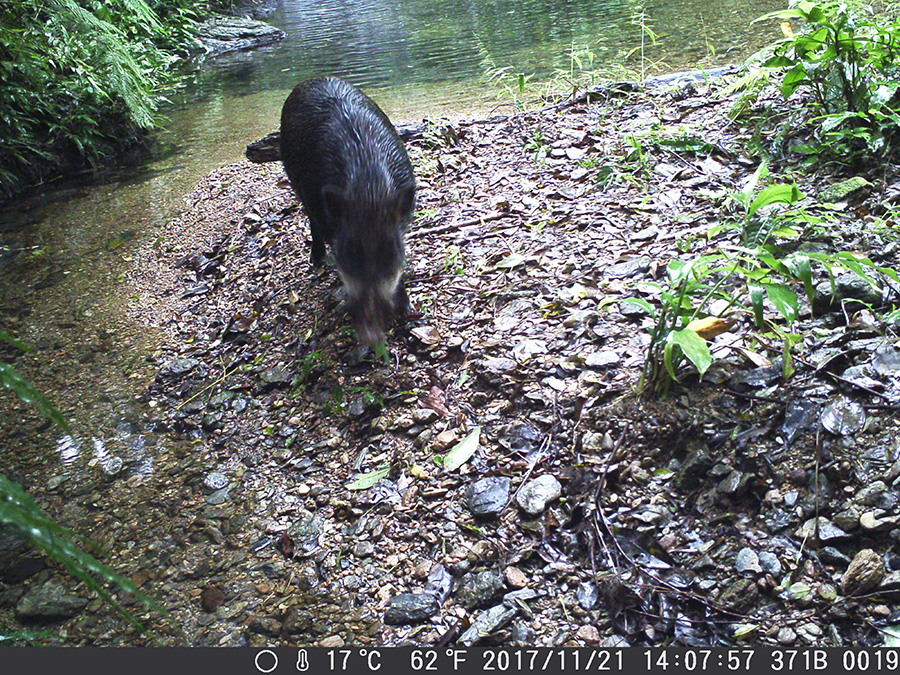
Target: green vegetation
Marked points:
82	80
845	59
839	75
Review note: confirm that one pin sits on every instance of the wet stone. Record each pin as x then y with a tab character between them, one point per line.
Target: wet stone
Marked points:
522	634
276	376
832	556
218	497
481	589
364	549
786	636
49	602
828	531
411	608
886	360
695	466
440	582
535	495
487	496
178	367
843	416
215	480
486	623
587	595
847	288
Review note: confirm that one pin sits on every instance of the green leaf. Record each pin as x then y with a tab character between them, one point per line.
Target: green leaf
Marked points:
793	79
9	339
784	299
757	297
800	267
643	304
26	393
510	261
693	347
364	481
774	194
462	452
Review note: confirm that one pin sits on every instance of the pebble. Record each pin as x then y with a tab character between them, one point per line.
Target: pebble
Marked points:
786	636
480	590
515	577
769	563
587	595
487	497
865	572
747	561
589	634
411	608
486	623
535	495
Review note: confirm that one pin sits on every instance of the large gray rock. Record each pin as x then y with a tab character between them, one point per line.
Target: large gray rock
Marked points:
231	34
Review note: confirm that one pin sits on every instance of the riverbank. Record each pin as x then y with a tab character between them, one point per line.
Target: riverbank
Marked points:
586	515
82	100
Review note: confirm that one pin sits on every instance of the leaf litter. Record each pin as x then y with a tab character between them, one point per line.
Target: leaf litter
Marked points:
537	240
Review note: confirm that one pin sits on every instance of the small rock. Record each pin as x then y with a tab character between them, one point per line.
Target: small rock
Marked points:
479	590
215	480
411	608
178	367
535	495
332	642
211	598
747	561
487	497
589	634
49	602
587	595
848	288
692	471
424	416
515	577
870	522
786	636
864	573
769	563
843	416
828	531
276	376
486	623
364	549
440	582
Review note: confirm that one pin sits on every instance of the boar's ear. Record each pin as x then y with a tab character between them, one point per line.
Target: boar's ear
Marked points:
406	200
335	202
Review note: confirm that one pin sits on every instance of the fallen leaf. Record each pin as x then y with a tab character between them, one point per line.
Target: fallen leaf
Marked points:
710	327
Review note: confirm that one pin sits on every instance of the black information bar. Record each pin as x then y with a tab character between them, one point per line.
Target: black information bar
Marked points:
448	661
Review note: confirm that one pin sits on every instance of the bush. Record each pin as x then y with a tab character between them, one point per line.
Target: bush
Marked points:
846	58
80	79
